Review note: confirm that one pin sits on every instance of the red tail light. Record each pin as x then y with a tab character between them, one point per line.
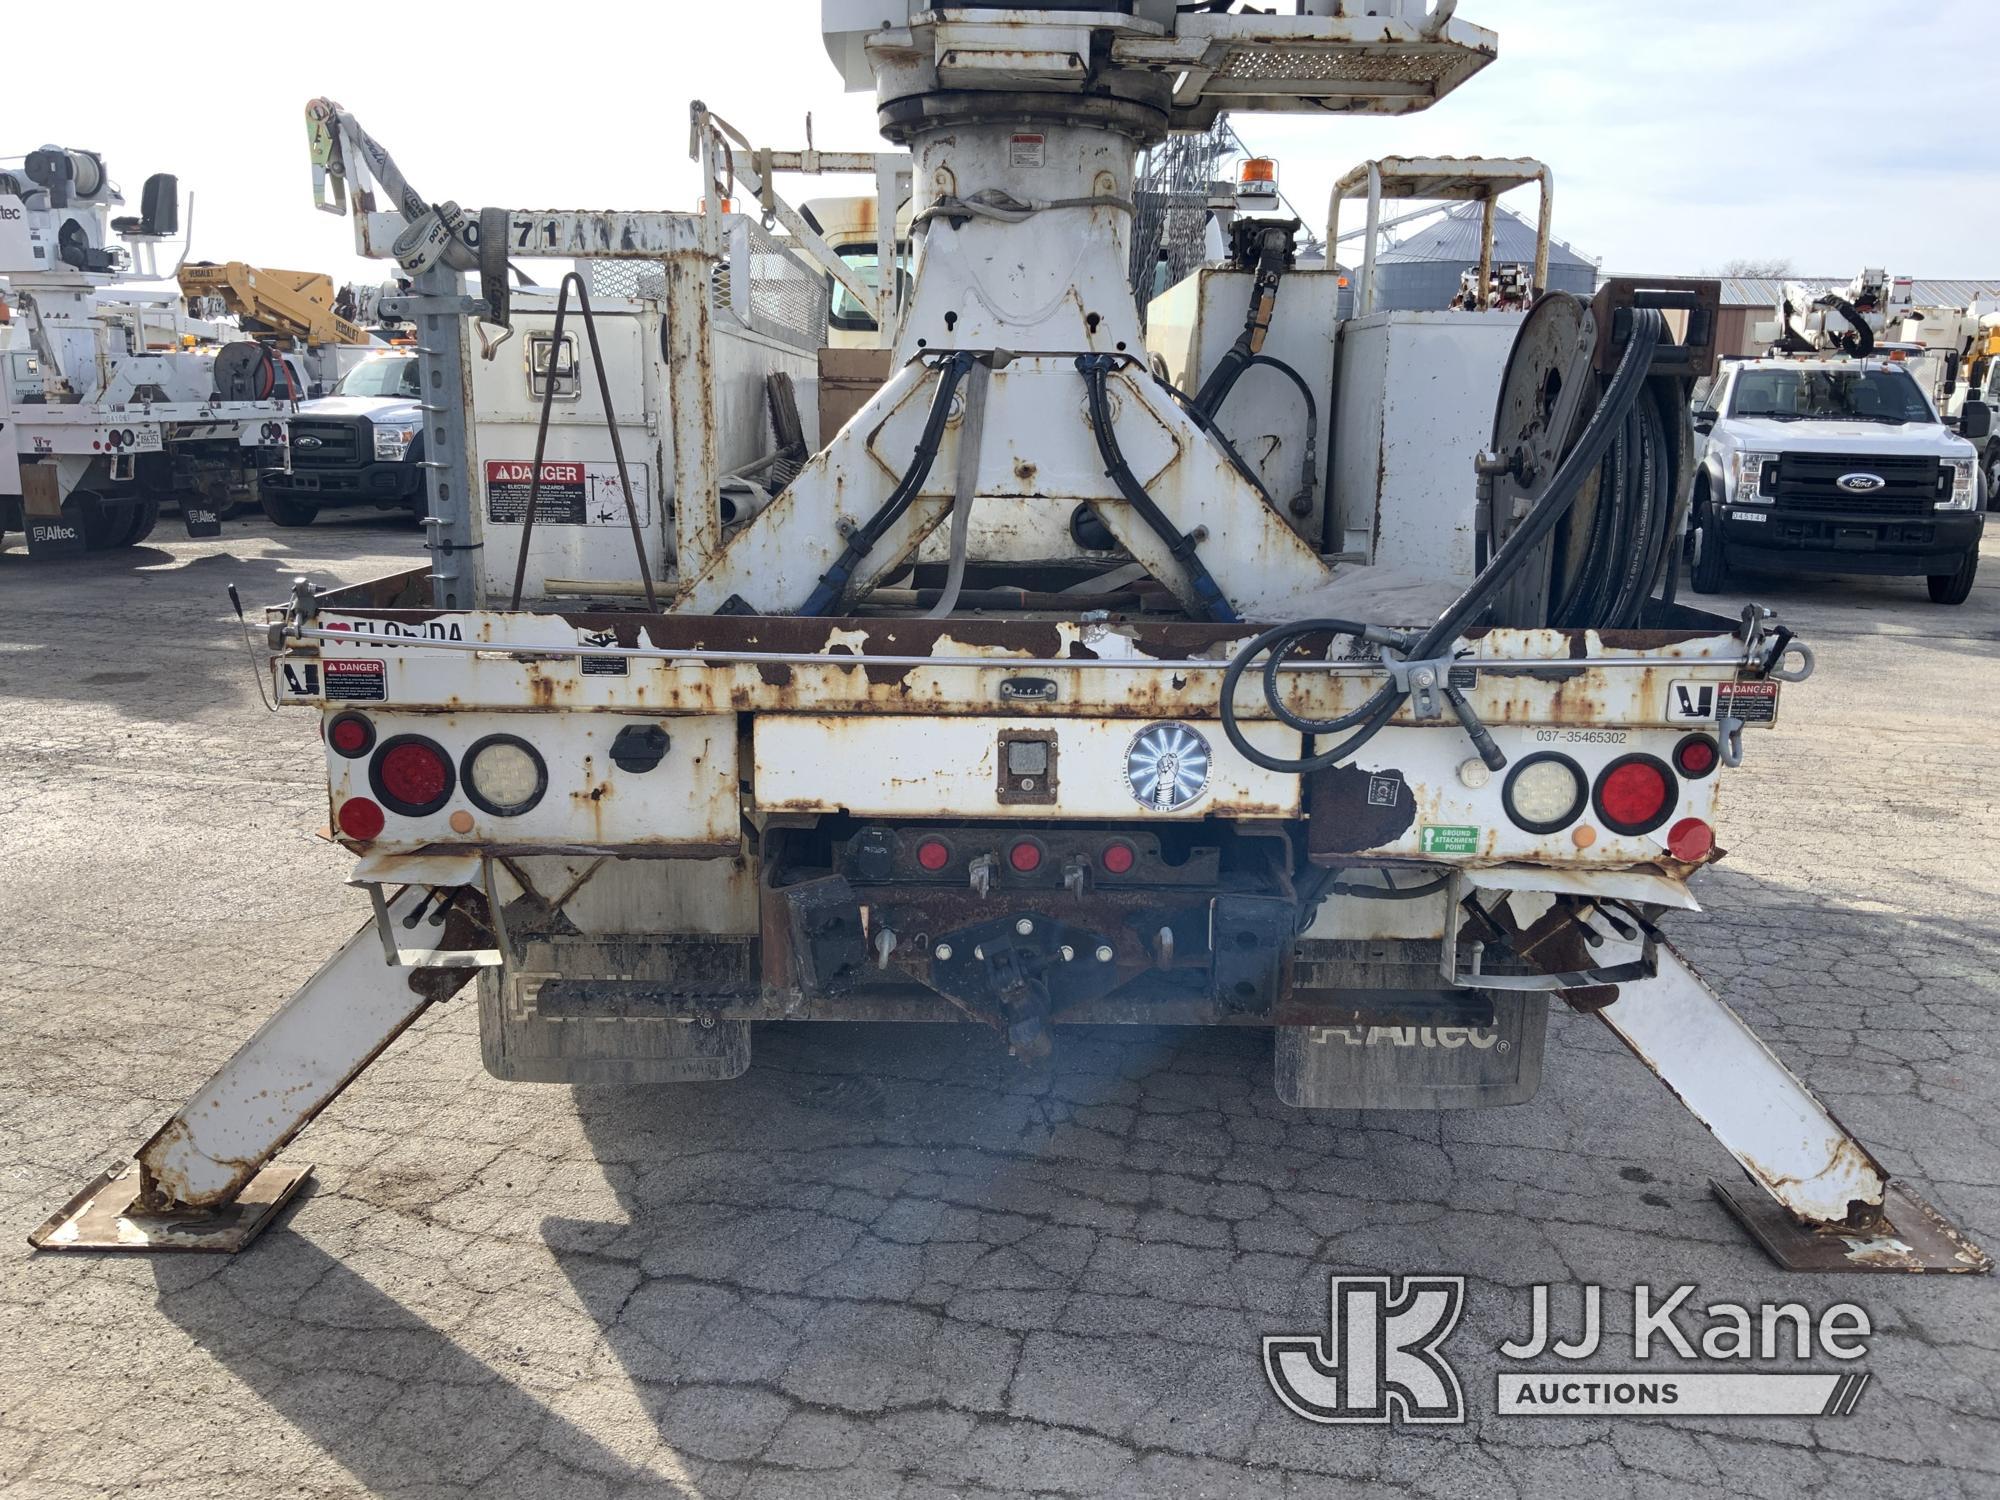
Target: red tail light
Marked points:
1690	839
412	775
933	854
1118	858
1025	856
1635	794
1696	756
360	819
351	735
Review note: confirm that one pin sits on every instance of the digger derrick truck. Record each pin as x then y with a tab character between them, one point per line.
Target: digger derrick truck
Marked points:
96	426
1184	764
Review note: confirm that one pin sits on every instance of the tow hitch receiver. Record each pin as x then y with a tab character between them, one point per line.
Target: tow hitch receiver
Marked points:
1017	968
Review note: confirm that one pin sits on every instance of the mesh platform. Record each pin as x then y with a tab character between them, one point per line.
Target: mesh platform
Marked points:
762	285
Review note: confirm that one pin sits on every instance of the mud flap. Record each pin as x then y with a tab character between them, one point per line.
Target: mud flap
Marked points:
52	528
1433	1066
201	516
577	1032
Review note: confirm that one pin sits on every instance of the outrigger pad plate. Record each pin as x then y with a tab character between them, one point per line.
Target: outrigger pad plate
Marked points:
1912	1237
100	1217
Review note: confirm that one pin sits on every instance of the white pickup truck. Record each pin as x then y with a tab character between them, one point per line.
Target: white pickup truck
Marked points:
1832	464
362	445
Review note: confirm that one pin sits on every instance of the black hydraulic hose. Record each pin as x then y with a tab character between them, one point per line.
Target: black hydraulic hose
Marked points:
1587	589
1207	425
1207	419
833	583
1645	519
1095	368
1861	342
1628	384
1305	391
1630	526
1273	247
1322	883
1668	492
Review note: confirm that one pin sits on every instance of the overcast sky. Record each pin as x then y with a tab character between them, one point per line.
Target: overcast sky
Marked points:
1833	133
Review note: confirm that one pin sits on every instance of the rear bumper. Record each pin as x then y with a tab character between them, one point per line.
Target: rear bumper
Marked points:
1817	541
374	481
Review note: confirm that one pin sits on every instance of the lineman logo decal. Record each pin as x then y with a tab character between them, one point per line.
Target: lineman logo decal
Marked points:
1167	766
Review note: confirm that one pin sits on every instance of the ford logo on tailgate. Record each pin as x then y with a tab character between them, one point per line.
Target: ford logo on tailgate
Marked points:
1861	484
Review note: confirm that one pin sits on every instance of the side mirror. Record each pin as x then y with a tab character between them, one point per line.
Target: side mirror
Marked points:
1704	420
1976	420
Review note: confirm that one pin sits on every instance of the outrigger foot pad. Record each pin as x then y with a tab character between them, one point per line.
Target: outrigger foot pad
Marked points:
1909	1235
102	1216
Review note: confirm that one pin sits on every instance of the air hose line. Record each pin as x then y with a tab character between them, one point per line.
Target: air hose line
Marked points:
1621	397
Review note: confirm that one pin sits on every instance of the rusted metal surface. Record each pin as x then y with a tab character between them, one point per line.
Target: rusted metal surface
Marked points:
892	765
109	1214
1408	783
686	805
1780	1134
1907	1236
297	1063
508	662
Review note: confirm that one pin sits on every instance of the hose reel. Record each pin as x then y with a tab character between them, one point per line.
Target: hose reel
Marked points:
1614	548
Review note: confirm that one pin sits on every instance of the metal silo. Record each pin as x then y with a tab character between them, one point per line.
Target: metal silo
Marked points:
1423	270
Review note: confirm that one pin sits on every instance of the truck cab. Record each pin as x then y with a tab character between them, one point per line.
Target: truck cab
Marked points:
1833	464
362	445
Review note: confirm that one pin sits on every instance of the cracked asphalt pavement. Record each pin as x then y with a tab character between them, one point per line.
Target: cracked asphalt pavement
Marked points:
888	1261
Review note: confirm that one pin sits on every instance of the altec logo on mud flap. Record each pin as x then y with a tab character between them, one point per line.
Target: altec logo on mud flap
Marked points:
1382	1358
1480	1038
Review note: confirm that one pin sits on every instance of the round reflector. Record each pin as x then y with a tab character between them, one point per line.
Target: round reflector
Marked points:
1544	793
351	735
1690	839
1118	857
933	854
1696	756
1025	856
360	819
412	775
1635	794
504	775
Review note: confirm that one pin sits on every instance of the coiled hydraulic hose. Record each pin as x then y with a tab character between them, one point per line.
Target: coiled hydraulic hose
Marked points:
1630	528
1628	384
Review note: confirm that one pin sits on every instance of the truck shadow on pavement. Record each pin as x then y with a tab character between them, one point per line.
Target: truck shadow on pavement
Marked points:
389	1396
891	1253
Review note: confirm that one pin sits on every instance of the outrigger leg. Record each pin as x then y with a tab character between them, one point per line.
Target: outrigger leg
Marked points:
1816	1199
202	1182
